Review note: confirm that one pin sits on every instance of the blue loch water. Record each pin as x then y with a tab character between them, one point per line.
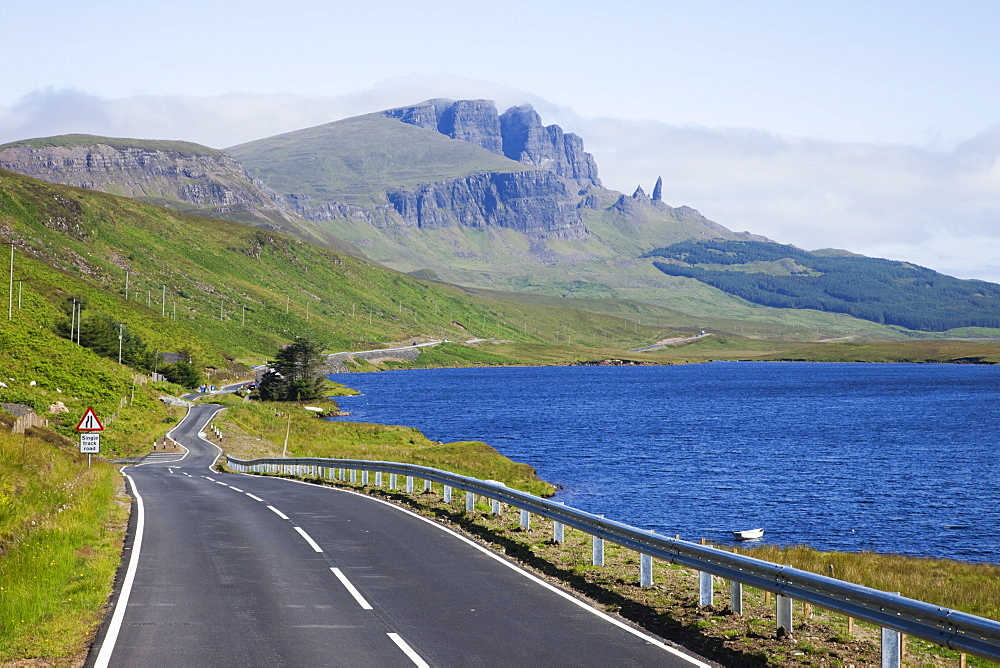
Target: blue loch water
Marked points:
884	457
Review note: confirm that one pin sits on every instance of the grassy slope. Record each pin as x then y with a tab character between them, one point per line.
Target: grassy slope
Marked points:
356	160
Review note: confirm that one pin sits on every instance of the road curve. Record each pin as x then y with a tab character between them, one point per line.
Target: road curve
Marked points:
228	569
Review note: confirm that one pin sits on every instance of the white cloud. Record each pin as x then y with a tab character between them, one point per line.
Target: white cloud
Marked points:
937	207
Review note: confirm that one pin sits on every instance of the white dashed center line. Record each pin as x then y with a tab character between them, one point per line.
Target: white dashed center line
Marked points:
308	539
408	651
351	589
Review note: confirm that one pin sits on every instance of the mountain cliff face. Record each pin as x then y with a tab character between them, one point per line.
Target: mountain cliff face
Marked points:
517	134
180	175
536	203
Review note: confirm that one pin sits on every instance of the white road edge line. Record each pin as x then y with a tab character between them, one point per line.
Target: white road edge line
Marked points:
278	512
111	637
255	498
531	576
235	489
308	539
351	589
408	651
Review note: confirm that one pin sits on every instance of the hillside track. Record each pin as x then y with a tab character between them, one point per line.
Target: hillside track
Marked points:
230	569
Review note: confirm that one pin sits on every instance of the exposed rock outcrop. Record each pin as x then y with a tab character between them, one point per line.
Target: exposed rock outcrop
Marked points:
517	134
536	202
473	121
167	173
526	140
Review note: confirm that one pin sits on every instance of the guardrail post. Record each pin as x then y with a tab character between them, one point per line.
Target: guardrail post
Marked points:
706	592
525	519
428	486
409	484
364	478
496	506
598	551
736	597
892	648
392	481
470	501
378	478
354	476
447	493
784	609
343	474
558	531
645	570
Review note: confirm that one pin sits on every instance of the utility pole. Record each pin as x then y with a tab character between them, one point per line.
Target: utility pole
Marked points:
20	285
72	322
244	315
163	301
126	284
120	326
10	291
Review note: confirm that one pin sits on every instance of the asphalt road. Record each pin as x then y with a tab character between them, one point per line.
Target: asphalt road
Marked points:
237	570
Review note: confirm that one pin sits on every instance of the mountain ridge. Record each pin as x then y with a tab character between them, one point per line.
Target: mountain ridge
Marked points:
444	188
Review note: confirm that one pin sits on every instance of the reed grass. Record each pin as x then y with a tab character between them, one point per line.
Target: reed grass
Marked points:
972	588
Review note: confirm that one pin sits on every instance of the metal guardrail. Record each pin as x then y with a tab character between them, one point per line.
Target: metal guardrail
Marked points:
956	630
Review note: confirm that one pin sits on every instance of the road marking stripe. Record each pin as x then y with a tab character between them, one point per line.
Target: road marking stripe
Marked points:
255	498
308	539
235	489
515	567
278	513
352	589
207	478
408	651
111	637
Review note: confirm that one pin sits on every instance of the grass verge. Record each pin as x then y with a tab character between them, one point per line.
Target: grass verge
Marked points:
61	530
254	429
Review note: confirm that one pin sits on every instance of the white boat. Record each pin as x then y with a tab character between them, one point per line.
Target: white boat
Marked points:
748	534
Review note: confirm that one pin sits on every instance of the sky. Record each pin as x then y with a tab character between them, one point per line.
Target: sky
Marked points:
872	125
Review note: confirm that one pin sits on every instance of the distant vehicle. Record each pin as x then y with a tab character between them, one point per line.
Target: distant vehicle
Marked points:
251	386
748	534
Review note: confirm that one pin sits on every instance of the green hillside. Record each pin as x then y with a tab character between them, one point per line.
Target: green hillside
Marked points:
184	148
221	293
356	160
882	291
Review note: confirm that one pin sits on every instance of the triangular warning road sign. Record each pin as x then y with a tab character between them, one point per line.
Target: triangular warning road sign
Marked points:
90	422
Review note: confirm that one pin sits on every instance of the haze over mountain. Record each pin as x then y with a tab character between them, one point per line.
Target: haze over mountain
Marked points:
453	190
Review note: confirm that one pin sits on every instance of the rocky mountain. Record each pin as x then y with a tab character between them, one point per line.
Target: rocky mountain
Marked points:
517	134
452	189
184	176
